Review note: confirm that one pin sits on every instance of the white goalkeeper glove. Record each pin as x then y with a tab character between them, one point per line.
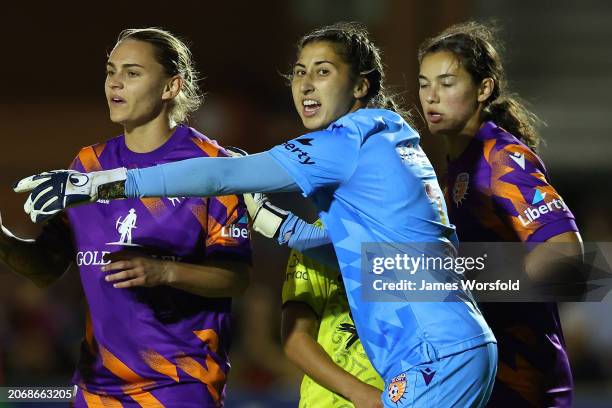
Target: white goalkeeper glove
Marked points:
52	191
266	218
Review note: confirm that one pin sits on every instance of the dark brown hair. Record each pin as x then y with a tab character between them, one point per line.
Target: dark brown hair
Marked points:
475	46
353	44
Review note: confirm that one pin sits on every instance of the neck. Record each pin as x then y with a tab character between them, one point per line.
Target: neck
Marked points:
458	142
149	136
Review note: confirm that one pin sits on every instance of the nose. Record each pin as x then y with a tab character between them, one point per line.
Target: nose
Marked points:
306	85
114	82
432	95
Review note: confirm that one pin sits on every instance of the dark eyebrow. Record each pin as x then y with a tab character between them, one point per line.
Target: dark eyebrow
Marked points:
108	63
298	64
442	76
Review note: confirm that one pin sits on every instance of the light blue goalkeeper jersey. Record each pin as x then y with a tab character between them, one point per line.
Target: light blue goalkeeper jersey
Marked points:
372	183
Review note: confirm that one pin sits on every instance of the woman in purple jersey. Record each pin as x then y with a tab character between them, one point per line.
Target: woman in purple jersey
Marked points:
157	329
494	176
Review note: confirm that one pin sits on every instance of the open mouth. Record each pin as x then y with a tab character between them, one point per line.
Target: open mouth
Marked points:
115	100
311	107
434	117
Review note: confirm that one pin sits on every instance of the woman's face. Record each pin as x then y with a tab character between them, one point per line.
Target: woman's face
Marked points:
322	87
136	84
449	97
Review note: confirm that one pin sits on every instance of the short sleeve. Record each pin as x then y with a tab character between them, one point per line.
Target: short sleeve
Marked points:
322	159
523	196
305	282
228	235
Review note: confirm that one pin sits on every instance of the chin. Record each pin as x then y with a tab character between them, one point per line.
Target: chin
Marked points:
316	124
436	129
309	123
118	120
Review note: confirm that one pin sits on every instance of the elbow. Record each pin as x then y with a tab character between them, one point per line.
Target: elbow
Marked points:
292	347
558	275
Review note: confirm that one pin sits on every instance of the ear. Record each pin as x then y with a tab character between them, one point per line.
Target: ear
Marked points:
485	89
172	88
361	88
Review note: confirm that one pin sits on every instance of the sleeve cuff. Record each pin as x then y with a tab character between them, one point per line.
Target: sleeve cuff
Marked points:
549	230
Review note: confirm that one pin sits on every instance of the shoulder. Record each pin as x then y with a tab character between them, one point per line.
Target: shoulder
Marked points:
209	146
370	121
89	156
502	148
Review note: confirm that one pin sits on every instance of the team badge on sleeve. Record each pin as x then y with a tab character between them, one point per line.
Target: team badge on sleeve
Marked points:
397	388
460	188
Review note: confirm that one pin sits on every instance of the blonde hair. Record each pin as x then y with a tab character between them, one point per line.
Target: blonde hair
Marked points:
174	55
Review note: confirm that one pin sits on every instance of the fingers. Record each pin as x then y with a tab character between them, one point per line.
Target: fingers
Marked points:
132	273
38	213
29	183
27	206
38	216
123	275
139	281
118	266
251	205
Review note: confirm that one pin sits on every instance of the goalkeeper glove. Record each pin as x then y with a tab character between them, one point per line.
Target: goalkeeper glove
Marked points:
52	191
267	218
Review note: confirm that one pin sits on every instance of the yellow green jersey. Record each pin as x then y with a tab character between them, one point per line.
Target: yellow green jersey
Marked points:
321	288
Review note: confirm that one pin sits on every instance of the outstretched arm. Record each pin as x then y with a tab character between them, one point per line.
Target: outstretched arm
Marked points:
210	177
54	191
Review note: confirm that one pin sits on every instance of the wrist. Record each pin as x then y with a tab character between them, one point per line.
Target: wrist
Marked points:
169	273
351	388
109	184
109	191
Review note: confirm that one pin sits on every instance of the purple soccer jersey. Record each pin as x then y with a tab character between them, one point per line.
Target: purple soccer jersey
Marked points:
156	346
498	190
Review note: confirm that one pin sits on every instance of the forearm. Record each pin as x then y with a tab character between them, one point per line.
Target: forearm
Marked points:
214	279
303	350
312	241
30	259
207	177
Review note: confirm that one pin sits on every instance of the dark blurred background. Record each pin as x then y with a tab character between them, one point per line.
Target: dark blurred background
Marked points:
557	55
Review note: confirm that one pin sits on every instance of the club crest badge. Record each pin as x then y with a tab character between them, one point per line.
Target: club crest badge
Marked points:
397	388
460	188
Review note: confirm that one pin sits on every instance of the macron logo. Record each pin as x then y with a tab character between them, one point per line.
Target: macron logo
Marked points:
519	158
305	141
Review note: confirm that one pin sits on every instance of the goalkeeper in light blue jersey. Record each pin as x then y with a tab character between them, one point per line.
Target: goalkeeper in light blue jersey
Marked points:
364	169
